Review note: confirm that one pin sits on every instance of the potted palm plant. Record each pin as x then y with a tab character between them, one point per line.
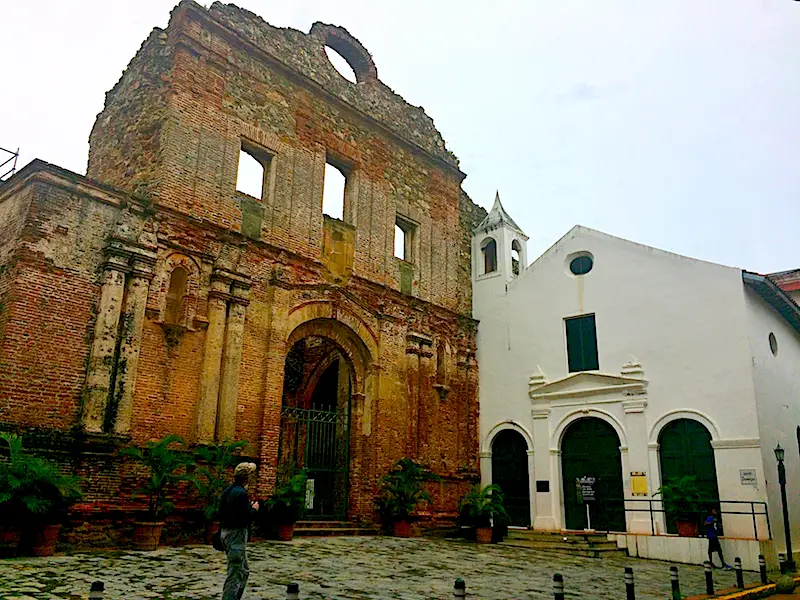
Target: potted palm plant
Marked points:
684	502
32	491
479	506
164	466
401	492
209	479
285	504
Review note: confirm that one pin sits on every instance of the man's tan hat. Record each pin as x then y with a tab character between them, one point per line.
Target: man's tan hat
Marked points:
245	468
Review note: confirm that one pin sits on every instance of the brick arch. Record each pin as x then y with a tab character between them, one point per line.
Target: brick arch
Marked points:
348	341
164	274
349	47
324	309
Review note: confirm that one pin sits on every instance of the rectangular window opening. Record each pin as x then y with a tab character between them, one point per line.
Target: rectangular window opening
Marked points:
253	171
334	187
582	344
404	238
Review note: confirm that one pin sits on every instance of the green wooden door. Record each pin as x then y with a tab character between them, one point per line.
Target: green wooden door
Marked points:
685	449
590	448
510	472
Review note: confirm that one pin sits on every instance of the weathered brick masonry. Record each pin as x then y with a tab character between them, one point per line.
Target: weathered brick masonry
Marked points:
102	344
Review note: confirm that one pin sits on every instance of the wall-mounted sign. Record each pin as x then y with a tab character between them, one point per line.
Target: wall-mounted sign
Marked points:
638	483
309	494
748	477
543	486
585	487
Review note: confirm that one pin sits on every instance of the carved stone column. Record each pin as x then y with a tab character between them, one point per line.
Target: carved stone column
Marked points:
104	344
131	342
232	360
212	358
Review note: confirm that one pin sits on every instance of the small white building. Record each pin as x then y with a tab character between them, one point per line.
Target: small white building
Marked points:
609	359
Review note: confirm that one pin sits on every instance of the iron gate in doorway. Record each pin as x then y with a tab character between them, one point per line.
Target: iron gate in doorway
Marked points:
317	440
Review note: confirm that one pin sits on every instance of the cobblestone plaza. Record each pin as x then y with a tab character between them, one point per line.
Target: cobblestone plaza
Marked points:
355	568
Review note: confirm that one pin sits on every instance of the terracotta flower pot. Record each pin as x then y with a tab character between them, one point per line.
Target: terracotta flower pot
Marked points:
146	536
483	535
44	540
285	531
9	542
212	527
686	528
401	529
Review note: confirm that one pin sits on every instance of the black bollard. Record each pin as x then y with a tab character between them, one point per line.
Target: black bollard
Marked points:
630	592
782	562
460	589
292	591
737	565
558	587
676	585
97	590
709	579
762	566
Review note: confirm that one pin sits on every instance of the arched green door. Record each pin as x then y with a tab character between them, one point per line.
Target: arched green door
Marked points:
685	449
590	448
510	472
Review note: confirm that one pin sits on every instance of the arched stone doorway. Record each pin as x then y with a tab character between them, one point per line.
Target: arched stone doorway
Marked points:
590	448
685	449
323	382
510	472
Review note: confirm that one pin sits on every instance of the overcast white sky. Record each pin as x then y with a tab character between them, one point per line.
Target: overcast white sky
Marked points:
674	123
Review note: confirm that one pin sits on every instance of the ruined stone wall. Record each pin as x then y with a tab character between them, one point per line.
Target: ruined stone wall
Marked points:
44	345
92	348
126	141
233	78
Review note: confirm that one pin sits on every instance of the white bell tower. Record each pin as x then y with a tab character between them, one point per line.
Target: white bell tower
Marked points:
499	255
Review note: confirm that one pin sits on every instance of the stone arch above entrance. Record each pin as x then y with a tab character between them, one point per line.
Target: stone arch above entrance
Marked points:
569	419
503	426
685	413
352	345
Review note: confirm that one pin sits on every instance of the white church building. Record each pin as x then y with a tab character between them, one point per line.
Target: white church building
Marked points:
605	358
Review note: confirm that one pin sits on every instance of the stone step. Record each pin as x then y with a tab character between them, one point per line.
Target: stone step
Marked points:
551	536
565	545
586	550
324	524
330	528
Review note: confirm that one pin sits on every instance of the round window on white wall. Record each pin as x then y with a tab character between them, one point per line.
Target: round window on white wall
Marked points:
580	263
773	344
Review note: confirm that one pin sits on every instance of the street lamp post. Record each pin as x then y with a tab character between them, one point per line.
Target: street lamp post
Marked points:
790	564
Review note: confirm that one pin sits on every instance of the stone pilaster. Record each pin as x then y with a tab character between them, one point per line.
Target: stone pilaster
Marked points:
232	360
104	344
131	341
212	358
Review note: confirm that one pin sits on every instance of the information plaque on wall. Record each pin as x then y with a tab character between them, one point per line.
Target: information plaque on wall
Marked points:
638	483
748	477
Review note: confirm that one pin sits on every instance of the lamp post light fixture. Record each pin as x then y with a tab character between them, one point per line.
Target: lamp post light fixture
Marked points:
790	565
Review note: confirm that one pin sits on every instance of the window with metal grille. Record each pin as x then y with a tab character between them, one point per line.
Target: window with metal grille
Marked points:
582	344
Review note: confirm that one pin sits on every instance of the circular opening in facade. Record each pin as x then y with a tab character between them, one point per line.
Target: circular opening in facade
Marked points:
581	265
773	344
341	64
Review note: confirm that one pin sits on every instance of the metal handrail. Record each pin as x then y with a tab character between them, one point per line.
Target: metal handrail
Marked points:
752	511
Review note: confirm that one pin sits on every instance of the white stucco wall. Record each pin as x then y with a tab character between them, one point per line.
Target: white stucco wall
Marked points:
777	388
683	320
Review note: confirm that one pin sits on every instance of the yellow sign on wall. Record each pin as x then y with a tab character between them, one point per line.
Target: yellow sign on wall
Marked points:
638	483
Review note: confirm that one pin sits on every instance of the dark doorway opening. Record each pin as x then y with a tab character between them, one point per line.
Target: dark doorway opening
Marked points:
590	448
510	472
315	425
685	450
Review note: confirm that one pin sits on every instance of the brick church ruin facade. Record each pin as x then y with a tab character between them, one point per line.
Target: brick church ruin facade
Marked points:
151	297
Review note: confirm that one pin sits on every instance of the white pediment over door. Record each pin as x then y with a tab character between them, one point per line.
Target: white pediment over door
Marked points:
588	383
